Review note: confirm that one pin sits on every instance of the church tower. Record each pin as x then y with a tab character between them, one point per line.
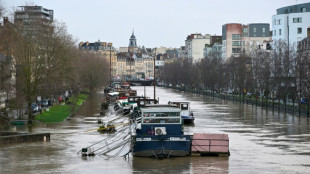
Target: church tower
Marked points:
132	42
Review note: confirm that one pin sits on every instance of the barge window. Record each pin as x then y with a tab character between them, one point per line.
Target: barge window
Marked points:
161	114
184	106
162	120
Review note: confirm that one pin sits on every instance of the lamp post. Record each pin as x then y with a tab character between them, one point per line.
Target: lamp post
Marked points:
110	44
154	76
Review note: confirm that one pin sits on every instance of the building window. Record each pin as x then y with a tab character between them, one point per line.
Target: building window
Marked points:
299	30
264	29
236	43
274	32
245	32
236	37
254	29
280	32
303	9
236	50
297	20
279	22
274	22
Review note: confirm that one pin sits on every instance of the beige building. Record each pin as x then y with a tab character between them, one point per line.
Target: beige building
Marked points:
121	69
135	68
123	49
161	50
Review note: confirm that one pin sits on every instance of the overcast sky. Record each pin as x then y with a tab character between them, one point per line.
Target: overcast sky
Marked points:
155	22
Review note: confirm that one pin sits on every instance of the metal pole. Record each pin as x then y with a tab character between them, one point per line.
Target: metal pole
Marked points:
145	76
154	76
130	68
110	65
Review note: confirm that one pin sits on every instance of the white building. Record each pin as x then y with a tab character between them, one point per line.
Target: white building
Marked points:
195	44
291	23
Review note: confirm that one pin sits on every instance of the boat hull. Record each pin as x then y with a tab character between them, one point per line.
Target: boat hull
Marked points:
161	146
161	153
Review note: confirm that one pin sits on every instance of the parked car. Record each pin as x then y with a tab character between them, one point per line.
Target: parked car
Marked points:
303	101
44	103
34	107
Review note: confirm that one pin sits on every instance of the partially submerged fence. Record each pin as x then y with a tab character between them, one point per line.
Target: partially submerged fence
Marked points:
269	104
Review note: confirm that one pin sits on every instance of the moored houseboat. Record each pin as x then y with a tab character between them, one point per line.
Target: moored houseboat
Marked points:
159	133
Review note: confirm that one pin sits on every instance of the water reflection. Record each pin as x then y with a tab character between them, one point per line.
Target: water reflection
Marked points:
153	165
209	165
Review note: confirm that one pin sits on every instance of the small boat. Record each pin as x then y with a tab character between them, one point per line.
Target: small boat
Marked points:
159	133
106	128
112	97
186	113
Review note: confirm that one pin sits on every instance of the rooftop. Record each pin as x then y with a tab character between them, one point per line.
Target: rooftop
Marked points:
298	8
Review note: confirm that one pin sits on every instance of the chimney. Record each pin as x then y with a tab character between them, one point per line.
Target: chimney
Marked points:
5	20
80	44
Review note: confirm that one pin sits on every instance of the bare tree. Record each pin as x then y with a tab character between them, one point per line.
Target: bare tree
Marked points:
261	72
41	55
283	70
57	52
2	9
93	71
238	73
211	70
303	76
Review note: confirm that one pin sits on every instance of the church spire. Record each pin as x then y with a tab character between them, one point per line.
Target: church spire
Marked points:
133	40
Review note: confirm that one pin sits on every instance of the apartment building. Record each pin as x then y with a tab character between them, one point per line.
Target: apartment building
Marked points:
33	19
291	23
194	46
241	39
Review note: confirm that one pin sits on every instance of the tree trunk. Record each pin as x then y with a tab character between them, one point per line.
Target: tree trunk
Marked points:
308	109
29	112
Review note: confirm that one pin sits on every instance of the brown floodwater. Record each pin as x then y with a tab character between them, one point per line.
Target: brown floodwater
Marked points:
261	141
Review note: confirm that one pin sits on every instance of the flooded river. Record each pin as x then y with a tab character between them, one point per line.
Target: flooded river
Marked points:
260	142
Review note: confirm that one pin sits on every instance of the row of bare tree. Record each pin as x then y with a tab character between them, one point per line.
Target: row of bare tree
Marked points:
281	73
46	63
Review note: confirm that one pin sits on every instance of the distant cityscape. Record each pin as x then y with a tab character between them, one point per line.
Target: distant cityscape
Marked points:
290	24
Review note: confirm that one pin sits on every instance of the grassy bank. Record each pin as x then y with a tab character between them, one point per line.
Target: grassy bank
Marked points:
59	113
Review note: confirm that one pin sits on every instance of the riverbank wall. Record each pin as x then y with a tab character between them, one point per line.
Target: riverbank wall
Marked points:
14	137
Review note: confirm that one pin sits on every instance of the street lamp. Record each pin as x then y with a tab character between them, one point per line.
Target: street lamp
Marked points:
110	44
154	76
